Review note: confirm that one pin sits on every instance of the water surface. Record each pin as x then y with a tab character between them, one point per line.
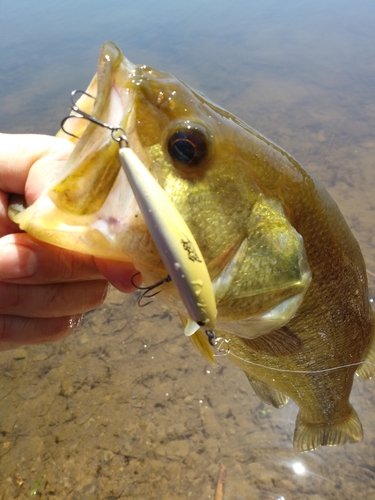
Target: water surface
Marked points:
126	408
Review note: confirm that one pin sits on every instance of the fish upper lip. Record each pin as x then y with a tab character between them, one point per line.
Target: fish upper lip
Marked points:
94	165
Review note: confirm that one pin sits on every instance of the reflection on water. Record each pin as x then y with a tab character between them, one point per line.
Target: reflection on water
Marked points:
126	408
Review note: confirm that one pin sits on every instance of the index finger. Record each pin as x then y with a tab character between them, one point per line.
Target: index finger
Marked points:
24	260
20	152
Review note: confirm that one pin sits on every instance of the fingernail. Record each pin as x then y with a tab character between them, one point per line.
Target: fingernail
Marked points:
17	262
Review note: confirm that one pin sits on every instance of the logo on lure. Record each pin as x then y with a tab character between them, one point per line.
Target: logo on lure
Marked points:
190	249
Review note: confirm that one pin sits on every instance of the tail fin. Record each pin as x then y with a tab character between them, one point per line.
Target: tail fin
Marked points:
308	437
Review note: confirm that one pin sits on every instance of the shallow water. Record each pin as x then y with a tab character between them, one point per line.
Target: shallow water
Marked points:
126	408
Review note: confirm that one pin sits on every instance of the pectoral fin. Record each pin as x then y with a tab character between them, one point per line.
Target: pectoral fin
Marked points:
263	285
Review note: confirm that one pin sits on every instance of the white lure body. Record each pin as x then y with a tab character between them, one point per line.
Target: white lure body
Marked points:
175	243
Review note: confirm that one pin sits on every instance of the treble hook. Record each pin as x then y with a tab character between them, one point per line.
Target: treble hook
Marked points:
115	130
148	289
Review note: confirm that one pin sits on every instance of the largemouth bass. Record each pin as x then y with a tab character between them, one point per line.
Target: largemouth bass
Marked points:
288	275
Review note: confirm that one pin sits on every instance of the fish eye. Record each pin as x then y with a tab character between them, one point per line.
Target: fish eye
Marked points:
189	144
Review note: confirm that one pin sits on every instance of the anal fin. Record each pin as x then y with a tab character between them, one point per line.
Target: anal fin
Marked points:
308	437
367	369
268	394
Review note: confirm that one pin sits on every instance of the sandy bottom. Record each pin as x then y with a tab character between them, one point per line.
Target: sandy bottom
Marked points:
127	409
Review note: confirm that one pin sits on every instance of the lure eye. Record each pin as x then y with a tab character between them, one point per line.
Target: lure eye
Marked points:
189	145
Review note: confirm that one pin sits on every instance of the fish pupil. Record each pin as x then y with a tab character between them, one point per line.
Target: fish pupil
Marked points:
183	151
188	146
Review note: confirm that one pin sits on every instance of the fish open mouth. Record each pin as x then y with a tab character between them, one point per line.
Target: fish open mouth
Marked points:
84	193
82	189
90	202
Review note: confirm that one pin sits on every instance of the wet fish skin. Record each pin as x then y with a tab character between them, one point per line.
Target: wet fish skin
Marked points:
334	326
272	238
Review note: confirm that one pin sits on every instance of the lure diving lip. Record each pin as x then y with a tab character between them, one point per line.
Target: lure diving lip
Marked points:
175	243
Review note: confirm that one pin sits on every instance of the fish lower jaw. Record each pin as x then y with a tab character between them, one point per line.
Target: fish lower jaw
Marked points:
95	234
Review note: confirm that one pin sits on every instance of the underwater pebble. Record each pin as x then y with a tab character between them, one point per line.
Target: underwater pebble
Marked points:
174	450
207	494
195	461
27	393
174	432
212	470
66	388
211	426
224	410
19	354
84	339
8	424
107	455
41	356
255	469
212	447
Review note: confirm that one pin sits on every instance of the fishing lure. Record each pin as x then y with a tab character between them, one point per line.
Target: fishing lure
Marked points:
175	242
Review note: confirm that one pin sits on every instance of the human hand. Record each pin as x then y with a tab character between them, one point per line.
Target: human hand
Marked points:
44	290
